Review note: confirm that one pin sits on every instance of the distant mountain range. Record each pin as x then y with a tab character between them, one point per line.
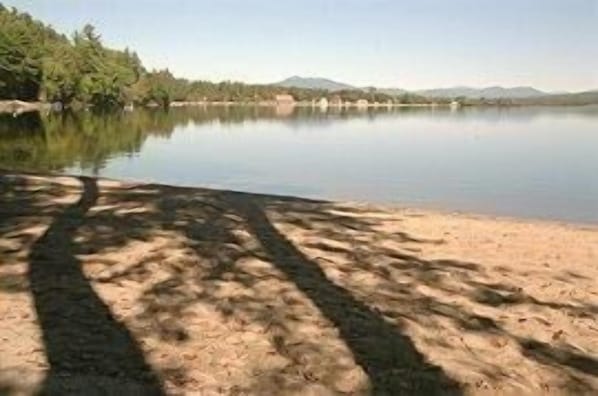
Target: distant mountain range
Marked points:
313	83
488	92
468	92
577	99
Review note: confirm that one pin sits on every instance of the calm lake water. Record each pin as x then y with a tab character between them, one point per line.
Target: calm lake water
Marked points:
536	162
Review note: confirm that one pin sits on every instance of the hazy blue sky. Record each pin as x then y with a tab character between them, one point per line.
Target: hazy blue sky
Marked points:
550	44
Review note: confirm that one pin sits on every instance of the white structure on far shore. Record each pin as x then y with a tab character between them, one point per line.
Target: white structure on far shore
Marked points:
336	101
362	103
284	100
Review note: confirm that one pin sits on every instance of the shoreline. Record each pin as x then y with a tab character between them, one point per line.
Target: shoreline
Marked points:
307	104
429	209
17	107
181	290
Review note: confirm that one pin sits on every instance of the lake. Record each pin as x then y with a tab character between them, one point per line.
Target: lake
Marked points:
534	162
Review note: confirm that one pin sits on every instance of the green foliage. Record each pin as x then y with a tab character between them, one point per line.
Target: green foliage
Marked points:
20	58
37	63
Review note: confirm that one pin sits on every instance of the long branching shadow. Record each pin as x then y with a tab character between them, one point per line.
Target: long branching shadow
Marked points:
389	357
317	287
87	348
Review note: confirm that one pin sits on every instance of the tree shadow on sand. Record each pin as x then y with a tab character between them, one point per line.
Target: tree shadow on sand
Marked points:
281	265
209	221
389	357
88	350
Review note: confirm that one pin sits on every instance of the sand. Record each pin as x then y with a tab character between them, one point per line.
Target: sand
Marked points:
118	288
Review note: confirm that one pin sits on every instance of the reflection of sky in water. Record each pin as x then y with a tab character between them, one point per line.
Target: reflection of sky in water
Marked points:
534	162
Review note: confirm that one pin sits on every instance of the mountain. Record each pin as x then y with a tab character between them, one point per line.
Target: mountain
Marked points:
568	99
520	94
393	91
314	83
488	92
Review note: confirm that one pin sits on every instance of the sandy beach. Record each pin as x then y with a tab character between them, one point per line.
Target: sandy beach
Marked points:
109	287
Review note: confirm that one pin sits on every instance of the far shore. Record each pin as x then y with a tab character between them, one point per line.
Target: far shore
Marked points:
308	104
137	288
18	107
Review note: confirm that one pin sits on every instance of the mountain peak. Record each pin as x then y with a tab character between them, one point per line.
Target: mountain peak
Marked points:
313	83
490	92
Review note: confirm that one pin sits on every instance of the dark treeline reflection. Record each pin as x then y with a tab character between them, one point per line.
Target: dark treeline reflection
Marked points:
55	141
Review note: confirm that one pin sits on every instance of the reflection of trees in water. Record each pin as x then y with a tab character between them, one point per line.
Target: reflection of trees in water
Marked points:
61	140
57	141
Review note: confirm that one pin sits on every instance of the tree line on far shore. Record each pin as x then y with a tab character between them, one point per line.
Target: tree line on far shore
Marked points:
39	64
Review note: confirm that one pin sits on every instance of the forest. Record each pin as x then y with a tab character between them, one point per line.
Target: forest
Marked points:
39	64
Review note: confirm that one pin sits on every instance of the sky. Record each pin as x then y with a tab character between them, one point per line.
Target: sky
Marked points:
412	44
